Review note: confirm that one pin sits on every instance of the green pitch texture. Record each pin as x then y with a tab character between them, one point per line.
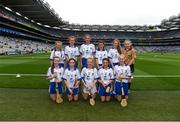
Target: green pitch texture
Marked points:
151	98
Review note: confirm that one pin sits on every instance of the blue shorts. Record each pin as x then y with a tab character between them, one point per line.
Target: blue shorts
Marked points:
61	65
100	65
114	64
75	91
102	90
117	86
84	62
52	88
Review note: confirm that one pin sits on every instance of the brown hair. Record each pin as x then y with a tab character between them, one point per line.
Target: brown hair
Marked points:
52	66
58	41
86	35
99	42
71	60
119	45
72	37
106	59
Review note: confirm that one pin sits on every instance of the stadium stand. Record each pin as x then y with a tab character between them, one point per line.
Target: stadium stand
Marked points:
9	46
35	20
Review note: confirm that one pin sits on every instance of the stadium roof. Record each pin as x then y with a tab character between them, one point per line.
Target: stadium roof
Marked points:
36	10
172	22
108	27
40	12
167	24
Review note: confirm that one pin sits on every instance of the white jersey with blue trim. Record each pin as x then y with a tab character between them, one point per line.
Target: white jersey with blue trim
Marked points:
122	70
113	55
89	75
100	55
71	76
71	52
57	71
106	74
87	50
59	54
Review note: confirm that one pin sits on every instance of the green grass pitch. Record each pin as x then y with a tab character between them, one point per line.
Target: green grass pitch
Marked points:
155	92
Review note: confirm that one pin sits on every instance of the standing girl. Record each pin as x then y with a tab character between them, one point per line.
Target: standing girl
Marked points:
87	50
71	51
58	52
100	54
130	56
114	53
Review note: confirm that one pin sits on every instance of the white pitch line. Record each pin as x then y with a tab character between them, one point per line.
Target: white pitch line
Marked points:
138	76
23	74
156	76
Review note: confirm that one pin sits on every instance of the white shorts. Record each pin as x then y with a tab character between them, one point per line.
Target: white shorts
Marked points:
93	90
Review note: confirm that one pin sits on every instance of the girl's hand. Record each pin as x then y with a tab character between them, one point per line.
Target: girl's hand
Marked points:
86	86
89	87
54	75
104	84
108	83
70	90
76	84
57	80
92	85
118	78
50	77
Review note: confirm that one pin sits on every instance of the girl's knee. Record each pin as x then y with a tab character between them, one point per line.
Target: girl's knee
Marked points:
85	96
119	98
76	98
126	97
53	97
103	99
108	99
70	98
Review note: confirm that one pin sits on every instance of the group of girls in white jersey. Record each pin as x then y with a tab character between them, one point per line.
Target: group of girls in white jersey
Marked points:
109	73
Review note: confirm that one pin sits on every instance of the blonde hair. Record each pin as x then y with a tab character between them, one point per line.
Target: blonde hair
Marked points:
122	56
128	41
92	61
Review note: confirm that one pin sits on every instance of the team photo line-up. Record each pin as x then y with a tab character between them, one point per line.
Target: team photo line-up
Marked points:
110	75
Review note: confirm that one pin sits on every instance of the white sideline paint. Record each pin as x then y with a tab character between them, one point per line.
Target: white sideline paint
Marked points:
38	75
135	76
156	76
